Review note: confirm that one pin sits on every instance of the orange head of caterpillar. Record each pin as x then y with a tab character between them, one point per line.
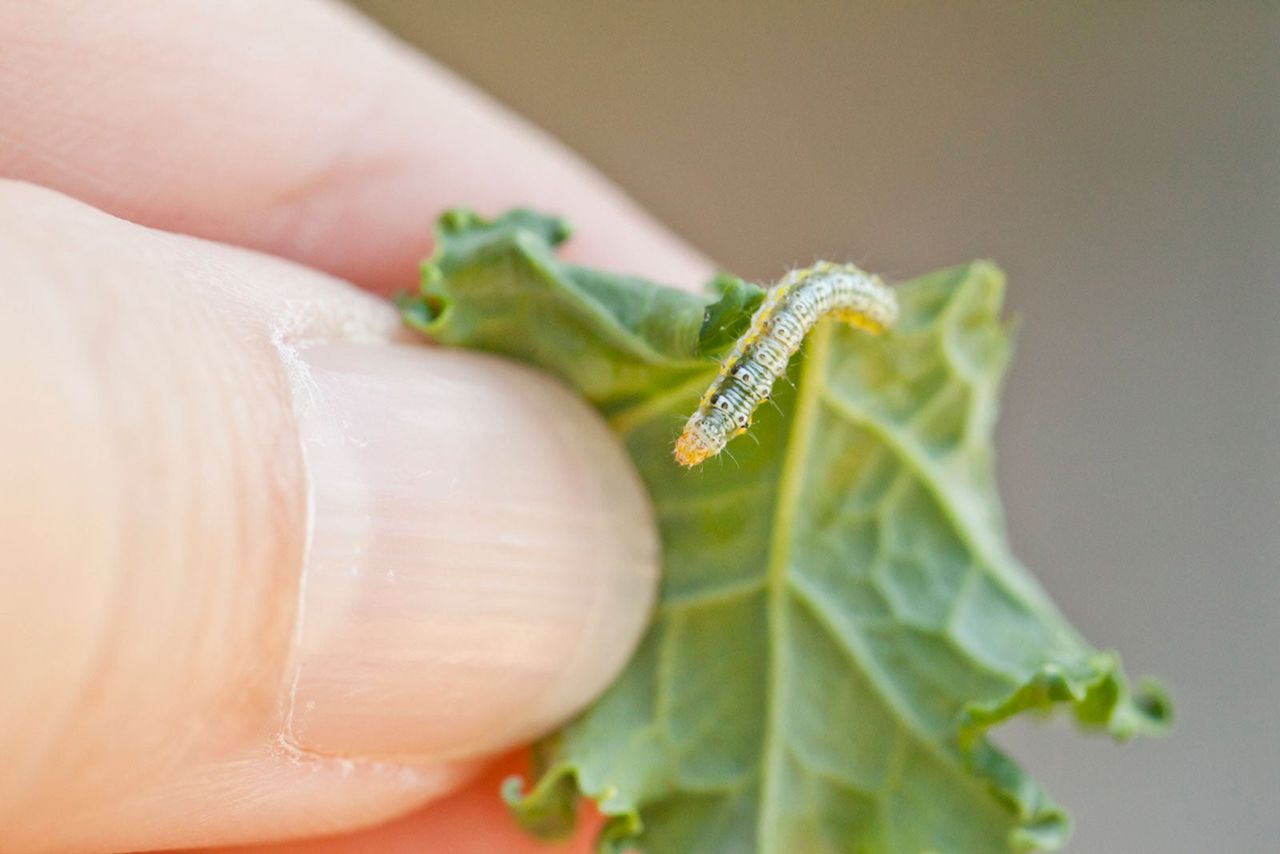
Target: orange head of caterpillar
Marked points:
691	450
703	436
777	329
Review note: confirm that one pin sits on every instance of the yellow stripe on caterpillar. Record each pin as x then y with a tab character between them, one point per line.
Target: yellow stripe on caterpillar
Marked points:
790	309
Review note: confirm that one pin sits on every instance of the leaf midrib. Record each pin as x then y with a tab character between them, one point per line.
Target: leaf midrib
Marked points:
776	582
813	394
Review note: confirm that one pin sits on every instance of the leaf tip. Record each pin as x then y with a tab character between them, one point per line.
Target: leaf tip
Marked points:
549	810
457	223
418	311
728	313
1048	830
457	220
1148	711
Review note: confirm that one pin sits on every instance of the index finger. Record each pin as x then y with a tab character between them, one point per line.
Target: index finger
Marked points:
294	127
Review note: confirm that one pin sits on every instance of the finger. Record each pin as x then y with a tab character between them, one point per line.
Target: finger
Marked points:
471	821
266	564
294	127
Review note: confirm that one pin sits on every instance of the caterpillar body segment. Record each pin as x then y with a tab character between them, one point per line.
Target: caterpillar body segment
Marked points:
790	309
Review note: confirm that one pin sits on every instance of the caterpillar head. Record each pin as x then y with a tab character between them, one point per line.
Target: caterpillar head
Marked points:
701	438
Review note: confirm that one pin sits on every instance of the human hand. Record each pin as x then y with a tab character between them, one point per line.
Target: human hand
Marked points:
272	570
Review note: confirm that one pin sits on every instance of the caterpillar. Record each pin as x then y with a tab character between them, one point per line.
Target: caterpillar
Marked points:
790	309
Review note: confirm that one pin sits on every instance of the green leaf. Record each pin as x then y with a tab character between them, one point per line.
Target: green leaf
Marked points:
841	619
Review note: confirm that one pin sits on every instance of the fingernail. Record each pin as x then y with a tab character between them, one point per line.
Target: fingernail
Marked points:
481	561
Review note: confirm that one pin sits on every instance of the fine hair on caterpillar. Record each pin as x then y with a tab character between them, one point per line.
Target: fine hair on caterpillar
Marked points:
790	309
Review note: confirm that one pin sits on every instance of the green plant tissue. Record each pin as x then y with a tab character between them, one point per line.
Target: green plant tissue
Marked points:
840	619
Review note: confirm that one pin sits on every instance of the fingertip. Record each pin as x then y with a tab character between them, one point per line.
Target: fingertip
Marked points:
482	559
205	429
303	131
473	820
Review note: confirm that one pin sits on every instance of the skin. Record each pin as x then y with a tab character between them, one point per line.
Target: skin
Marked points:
296	130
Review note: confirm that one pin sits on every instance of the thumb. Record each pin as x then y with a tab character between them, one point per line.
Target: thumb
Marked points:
265	562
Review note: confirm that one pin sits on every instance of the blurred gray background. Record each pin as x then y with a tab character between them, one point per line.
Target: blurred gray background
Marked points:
1121	161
